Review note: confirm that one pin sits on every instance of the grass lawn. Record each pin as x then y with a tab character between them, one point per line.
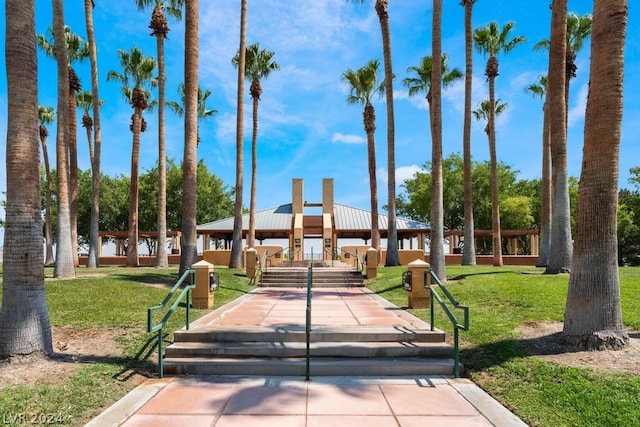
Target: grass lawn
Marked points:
541	393
500	300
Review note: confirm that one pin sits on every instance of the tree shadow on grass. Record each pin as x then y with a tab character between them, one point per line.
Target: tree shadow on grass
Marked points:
138	364
482	273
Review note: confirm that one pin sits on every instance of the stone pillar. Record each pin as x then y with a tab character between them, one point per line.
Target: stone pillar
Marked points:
420	293
297	196
372	263
327	196
202	295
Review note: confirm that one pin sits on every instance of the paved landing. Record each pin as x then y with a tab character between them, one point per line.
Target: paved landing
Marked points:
322	401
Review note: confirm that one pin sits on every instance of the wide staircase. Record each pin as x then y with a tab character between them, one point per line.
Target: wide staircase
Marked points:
331	274
282	350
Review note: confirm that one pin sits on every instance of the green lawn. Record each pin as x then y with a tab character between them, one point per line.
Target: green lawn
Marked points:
500	300
541	393
117	299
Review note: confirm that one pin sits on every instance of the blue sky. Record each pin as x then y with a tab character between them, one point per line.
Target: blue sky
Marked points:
307	130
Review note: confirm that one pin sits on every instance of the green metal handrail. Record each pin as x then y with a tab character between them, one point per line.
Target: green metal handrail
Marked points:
359	261
308	321
454	321
185	294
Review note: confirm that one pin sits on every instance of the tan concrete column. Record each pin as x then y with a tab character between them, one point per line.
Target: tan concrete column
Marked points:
202	296
535	244
420	293
372	263
251	262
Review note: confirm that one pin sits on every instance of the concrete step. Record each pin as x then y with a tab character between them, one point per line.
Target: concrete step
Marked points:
316	349
282	334
370	367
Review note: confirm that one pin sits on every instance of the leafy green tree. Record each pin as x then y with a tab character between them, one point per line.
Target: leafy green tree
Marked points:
415	203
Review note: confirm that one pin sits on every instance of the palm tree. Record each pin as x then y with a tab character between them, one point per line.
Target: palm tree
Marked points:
421	83
469	249
137	72
94	227
24	318
540	90
65	253
491	40
84	101
393	258
203	111
236	247
578	30
46	115
593	317
160	29
485	113
258	65
77	51
189	241
363	84
567	36
436	247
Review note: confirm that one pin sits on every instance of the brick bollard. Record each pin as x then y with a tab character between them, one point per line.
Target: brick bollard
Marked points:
420	293
372	263
202	296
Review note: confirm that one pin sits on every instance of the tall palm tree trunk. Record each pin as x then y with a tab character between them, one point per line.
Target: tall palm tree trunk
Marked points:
560	244
48	231
254	172
93	260
393	257
469	249
496	238
545	217
593	317
436	251
132	239
161	242
189	246
24	318
73	170
236	245
370	127
65	266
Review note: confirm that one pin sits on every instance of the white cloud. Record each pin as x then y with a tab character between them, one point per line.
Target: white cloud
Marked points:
576	113
347	139
406	172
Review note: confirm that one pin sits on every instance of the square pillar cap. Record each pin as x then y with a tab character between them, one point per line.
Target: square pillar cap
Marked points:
252	250
201	264
418	263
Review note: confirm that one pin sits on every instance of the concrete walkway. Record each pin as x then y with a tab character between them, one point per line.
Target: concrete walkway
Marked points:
322	401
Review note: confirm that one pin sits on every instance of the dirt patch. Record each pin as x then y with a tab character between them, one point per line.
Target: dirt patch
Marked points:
72	347
544	341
